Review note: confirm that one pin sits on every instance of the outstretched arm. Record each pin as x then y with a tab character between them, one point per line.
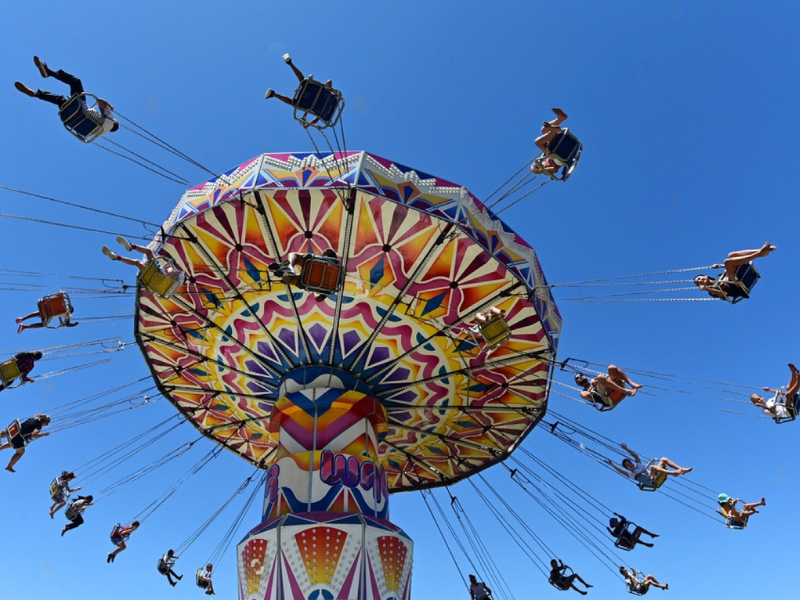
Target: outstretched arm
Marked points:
631	452
617	469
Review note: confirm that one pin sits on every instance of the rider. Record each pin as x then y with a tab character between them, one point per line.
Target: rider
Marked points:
563	581
65	320
731	264
74	512
301	78
204	580
102	117
640	585
728	509
478	590
634	470
122	534
25	365
609	389
30	429
287	270
60	497
550	129
619	530
776	406
165	564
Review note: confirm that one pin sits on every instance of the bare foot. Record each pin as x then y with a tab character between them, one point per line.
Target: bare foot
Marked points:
792	367
687	470
636	386
560	113
767	248
717	266
21	328
51	514
632	392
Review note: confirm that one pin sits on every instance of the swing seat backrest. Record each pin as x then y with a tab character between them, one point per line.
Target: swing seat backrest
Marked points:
77	120
322	275
648	484
117	537
14	431
495	331
560	582
9	371
624	540
565	150
313	98
153	278
736	523
637	589
56	493
54	306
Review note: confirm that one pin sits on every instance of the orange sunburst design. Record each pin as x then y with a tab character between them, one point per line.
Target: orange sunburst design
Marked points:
320	548
393	560
253	561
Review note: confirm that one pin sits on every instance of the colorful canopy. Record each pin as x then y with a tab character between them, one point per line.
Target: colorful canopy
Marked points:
422	257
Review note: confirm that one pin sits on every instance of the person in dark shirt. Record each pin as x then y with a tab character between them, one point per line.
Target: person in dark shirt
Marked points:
628	539
25	363
564	582
30	429
165	564
100	116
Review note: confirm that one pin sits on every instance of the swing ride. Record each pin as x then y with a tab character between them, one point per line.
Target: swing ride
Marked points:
352	328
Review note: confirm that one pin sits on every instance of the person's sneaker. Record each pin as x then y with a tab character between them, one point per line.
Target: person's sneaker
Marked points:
110	558
42	66
287	59
107	251
20	329
124	243
270	93
24	89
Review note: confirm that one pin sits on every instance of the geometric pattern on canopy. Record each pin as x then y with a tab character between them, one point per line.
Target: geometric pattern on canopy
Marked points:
421	256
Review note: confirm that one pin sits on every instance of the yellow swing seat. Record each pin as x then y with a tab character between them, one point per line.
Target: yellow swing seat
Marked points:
155	280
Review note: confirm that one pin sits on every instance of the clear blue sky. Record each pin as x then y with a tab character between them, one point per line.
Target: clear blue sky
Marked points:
688	116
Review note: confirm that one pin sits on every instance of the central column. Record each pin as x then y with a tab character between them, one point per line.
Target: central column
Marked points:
325	532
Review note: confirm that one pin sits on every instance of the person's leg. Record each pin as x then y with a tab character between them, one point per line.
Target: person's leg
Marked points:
297	259
570	582
56	99
131	261
640	530
297	71
636	536
15	459
144	250
579	578
741	257
617	374
606	383
57	507
561	116
293	280
749	509
75	85
794	383
22	327
76	522
273	94
650	580
662	465
547	135
26	317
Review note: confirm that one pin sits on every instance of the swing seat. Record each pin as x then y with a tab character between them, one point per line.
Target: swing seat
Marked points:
565	150
646	483
736	523
14	432
320	102
792	405
55	306
201	581
116	535
561	582
601	401
78	121
155	280
495	331
746	279
57	493
9	371
322	275
162	567
637	589
625	540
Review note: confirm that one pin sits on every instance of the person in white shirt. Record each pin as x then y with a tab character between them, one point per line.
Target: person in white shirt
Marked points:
102	117
777	406
478	590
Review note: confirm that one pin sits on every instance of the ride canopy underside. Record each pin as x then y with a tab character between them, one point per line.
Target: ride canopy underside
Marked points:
421	256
